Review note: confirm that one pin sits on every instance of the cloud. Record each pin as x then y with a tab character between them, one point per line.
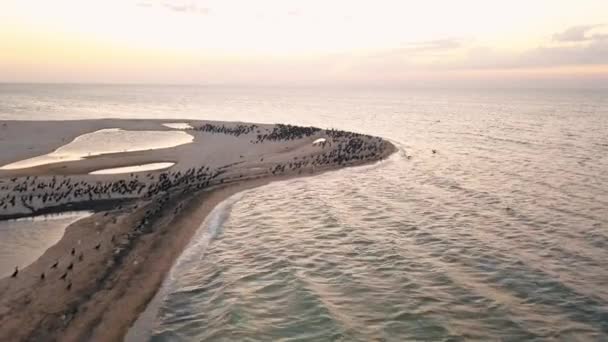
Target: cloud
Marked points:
186	7
574	46
191	6
434	45
145	4
457	55
410	50
594	52
576	33
600	36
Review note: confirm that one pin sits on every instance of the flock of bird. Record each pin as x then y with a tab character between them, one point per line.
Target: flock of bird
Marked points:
34	192
55	266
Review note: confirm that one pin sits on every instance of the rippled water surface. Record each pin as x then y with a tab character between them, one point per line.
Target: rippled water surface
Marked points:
500	235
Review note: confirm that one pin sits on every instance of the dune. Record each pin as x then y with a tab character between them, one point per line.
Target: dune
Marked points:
110	264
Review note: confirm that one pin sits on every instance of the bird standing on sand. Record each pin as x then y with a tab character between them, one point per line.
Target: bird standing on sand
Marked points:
69	287
434	151
64	275
97	246
81	256
14	275
42	276
55	264
70	266
73	251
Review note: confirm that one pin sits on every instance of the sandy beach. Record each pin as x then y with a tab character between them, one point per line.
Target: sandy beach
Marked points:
95	281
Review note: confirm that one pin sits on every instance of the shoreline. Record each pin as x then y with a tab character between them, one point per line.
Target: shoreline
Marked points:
128	270
224	193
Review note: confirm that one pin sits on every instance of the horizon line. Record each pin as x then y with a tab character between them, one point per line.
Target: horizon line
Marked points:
323	85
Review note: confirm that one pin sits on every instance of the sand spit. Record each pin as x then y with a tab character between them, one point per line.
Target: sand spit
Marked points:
95	281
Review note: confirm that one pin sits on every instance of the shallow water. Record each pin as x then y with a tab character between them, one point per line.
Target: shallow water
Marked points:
502	234
177	125
134	168
105	141
24	240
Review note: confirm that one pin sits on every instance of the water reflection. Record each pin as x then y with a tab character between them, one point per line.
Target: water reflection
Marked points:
24	240
134	168
105	141
177	125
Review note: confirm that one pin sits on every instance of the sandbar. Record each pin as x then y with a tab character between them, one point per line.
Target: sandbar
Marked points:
106	268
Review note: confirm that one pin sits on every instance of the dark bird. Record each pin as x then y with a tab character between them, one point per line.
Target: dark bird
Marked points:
434	151
70	266
69	287
42	276
81	256
73	251
64	275
97	246
55	264
14	275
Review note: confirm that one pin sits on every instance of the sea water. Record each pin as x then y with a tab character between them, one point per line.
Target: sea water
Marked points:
500	234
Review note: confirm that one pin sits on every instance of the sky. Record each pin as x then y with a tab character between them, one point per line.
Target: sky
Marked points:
560	43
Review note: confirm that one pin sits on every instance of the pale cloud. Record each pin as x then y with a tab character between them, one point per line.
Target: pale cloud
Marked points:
434	45
192	6
574	34
593	52
574	46
582	33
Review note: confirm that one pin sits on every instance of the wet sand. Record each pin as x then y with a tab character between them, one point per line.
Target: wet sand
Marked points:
111	273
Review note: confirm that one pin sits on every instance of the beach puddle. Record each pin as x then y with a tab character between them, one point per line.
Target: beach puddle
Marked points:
134	168
178	125
23	241
106	141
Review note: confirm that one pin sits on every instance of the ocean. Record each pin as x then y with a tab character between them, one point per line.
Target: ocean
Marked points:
502	234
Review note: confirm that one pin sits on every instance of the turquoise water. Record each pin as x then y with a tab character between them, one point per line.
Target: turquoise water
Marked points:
500	235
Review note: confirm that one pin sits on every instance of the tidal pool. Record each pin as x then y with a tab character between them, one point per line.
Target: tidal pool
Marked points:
133	168
24	240
178	125
113	140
